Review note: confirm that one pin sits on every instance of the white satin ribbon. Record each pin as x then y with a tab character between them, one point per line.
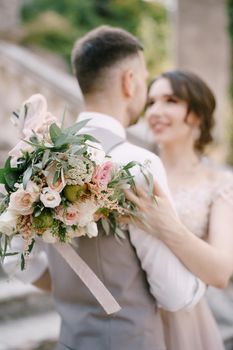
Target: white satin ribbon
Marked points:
89	278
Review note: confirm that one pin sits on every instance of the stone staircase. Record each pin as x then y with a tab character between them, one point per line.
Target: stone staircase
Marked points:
28	320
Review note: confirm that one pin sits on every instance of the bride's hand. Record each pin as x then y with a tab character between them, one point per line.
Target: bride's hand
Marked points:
156	213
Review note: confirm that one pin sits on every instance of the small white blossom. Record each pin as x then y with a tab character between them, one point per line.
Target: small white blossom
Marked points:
50	198
96	153
92	229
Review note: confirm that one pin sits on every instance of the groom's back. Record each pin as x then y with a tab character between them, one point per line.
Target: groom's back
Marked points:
85	325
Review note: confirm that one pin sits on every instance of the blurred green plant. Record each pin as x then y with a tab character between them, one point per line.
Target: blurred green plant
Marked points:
230	15
55	25
230	26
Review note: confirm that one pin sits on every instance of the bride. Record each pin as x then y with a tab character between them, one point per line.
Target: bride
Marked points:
180	114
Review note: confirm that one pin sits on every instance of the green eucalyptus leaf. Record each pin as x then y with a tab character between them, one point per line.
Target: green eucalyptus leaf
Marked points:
63	118
9	254
72	130
90	138
45	157
37	211
62	140
7	164
22	262
2	176
106	226
120	233
57	176
54	132
27	175
31	246
130	165
34	139
11	178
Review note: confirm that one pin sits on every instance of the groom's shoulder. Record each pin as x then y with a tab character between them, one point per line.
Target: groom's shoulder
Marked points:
137	153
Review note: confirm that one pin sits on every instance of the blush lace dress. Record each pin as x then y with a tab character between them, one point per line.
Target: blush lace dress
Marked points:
196	329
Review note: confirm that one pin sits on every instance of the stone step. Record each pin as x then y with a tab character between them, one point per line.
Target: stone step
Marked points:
28	333
27	317
19	300
12	288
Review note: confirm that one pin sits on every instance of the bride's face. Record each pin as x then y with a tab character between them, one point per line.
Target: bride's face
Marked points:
166	114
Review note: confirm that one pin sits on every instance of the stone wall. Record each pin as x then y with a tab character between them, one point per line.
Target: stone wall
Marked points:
201	44
23	74
9	15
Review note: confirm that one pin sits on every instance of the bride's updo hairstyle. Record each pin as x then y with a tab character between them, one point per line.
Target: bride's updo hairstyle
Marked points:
200	99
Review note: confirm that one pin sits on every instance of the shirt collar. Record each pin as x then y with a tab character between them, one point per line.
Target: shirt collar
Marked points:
104	121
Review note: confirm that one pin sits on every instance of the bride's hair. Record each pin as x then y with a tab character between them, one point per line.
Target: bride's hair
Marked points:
190	88
98	51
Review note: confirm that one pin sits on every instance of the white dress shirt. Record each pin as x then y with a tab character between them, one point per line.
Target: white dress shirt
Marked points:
173	286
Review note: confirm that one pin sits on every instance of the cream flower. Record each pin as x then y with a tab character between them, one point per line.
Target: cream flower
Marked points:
50	198
8	223
21	201
92	229
86	211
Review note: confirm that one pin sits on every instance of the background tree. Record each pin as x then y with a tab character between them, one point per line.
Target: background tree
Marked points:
230	14
55	25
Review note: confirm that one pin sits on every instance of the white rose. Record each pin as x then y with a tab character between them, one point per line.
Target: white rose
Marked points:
7	223
50	198
96	152
92	230
48	237
85	212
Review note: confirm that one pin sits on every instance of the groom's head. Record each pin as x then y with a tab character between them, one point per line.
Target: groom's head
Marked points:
109	61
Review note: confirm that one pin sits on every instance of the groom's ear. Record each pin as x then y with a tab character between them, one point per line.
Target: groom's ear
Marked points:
128	83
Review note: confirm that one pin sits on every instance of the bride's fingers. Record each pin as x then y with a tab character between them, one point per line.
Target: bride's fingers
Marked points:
141	191
158	190
132	197
124	219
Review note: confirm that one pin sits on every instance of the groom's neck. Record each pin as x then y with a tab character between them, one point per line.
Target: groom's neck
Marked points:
107	105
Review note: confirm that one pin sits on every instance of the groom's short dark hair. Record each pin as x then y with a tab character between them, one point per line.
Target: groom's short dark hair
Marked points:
99	50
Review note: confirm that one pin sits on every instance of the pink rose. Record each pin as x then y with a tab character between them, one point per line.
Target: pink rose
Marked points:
21	201
67	215
102	174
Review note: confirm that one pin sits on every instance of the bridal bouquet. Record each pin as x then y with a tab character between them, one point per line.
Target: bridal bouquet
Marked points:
58	183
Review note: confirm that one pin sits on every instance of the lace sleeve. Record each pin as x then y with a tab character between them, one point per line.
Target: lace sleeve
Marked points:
224	187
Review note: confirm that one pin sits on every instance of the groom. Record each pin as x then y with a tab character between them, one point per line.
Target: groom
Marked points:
109	65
